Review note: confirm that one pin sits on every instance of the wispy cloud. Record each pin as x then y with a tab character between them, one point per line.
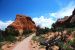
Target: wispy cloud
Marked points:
3	25
65	11
43	21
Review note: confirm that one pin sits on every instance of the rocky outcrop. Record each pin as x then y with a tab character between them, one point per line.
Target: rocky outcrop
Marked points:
66	21
23	23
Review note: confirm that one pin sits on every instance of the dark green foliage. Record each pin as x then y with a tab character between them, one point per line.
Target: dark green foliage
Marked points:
65	24
2	37
9	34
55	28
0	44
53	25
70	30
11	31
42	30
67	45
27	32
69	25
11	38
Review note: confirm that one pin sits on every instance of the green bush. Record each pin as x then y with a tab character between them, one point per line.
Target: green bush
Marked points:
11	31
11	38
2	38
66	47
34	38
42	31
70	30
27	33
39	38
11	34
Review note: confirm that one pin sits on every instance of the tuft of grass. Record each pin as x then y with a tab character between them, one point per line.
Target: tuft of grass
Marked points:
34	38
38	38
42	46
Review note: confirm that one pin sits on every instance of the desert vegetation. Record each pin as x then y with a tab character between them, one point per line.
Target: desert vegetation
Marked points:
61	34
10	35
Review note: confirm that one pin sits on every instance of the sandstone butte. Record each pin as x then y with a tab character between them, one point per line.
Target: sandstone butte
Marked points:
23	23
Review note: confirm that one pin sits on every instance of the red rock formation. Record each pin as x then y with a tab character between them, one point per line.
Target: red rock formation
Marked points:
66	20
23	23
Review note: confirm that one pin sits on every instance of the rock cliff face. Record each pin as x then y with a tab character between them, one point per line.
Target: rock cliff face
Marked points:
23	23
67	20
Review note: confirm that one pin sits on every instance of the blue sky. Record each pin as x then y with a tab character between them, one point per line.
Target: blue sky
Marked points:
43	12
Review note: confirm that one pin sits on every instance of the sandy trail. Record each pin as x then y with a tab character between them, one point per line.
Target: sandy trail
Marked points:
25	44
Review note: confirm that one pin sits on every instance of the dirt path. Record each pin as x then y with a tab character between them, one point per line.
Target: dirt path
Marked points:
25	44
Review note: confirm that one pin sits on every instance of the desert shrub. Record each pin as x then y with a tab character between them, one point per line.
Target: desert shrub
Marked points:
34	38
71	25
1	36
70	30
42	46
73	44
11	31
11	38
11	34
66	47
0	49
27	32
39	38
42	31
55	27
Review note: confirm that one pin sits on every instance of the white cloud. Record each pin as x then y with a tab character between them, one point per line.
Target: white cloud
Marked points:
43	21
47	22
65	11
3	25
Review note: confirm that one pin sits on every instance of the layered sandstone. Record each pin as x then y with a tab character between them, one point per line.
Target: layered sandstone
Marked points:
23	23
